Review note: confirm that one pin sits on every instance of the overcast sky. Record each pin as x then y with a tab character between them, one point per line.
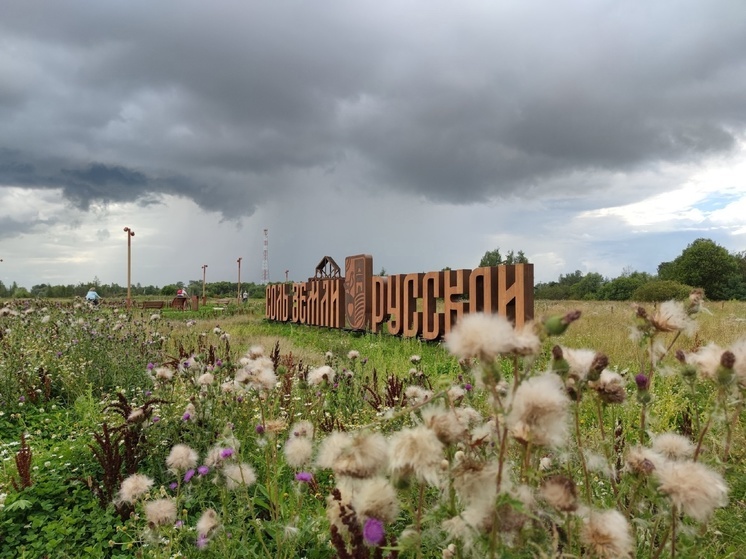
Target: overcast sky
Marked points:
594	135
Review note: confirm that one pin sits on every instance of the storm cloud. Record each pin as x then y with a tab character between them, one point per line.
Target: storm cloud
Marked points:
238	106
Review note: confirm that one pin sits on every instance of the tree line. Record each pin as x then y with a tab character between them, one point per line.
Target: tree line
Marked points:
218	289
702	264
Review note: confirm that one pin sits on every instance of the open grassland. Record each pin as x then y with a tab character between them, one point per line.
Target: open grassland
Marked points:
217	434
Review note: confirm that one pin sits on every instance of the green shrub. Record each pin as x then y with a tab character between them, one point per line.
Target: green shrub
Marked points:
661	291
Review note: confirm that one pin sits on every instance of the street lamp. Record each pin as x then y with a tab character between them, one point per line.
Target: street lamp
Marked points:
204	273
239	280
130	234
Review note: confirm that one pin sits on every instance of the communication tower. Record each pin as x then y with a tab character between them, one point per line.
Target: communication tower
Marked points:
265	259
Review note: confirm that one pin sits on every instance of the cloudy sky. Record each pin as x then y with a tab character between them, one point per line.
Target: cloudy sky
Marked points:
594	135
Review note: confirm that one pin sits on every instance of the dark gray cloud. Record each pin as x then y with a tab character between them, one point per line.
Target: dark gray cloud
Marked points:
232	104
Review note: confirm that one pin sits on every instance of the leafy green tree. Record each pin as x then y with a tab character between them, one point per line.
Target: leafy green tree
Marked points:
704	264
494	258
622	288
661	290
491	258
588	287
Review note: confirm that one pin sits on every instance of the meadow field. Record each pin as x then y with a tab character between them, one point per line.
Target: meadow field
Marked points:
601	430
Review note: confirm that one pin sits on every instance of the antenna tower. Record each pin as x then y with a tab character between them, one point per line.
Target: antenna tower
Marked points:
265	259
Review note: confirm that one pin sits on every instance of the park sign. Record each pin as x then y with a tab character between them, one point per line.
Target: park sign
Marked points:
425	305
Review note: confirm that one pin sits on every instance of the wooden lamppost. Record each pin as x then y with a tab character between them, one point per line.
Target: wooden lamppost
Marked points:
239	280
204	274
130	234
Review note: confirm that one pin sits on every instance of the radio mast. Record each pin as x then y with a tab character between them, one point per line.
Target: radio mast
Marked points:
265	259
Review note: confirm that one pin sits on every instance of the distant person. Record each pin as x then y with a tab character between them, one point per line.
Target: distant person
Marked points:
92	297
244	296
182	293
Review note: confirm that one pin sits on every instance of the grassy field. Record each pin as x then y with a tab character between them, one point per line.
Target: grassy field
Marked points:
163	435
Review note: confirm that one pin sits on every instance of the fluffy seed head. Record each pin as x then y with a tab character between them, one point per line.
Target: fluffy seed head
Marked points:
181	458
238	474
298	451
207	522
560	493
161	512
418	452
134	487
321	375
539	411
694	488
607	535
673	446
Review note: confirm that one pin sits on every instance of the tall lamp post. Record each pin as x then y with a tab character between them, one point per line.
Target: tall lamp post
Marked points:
239	280
204	274
130	234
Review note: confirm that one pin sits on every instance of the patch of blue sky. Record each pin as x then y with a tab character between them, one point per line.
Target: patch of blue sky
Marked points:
717	201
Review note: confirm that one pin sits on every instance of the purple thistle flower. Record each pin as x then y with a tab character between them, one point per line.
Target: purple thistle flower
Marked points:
150	366
226	453
22	399
173	485
373	531
179	524
305	477
186	417
203	470
218	362
259	429
148	393
189	475
202	541
156	419
642	381
468	387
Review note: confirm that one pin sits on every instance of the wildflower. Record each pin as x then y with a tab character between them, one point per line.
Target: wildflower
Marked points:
353	354
643	389
641	460
190	412
304	477
134	487
205	379
226	453
538	412
359	455
556	325
207	523
161	512
257	374
610	388
417	395
164	373
259	429
607	535
373	531
181	458
451	425
561	493
693	488
203	470
487	336
418	452
672	317
375	498
302	429
298	451
137	415
238	474
201	542
673	446
188	475
321	375
415	359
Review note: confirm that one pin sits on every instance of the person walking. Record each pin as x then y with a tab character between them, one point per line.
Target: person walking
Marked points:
92	297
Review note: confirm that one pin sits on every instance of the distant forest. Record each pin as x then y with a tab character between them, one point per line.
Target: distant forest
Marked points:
703	264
